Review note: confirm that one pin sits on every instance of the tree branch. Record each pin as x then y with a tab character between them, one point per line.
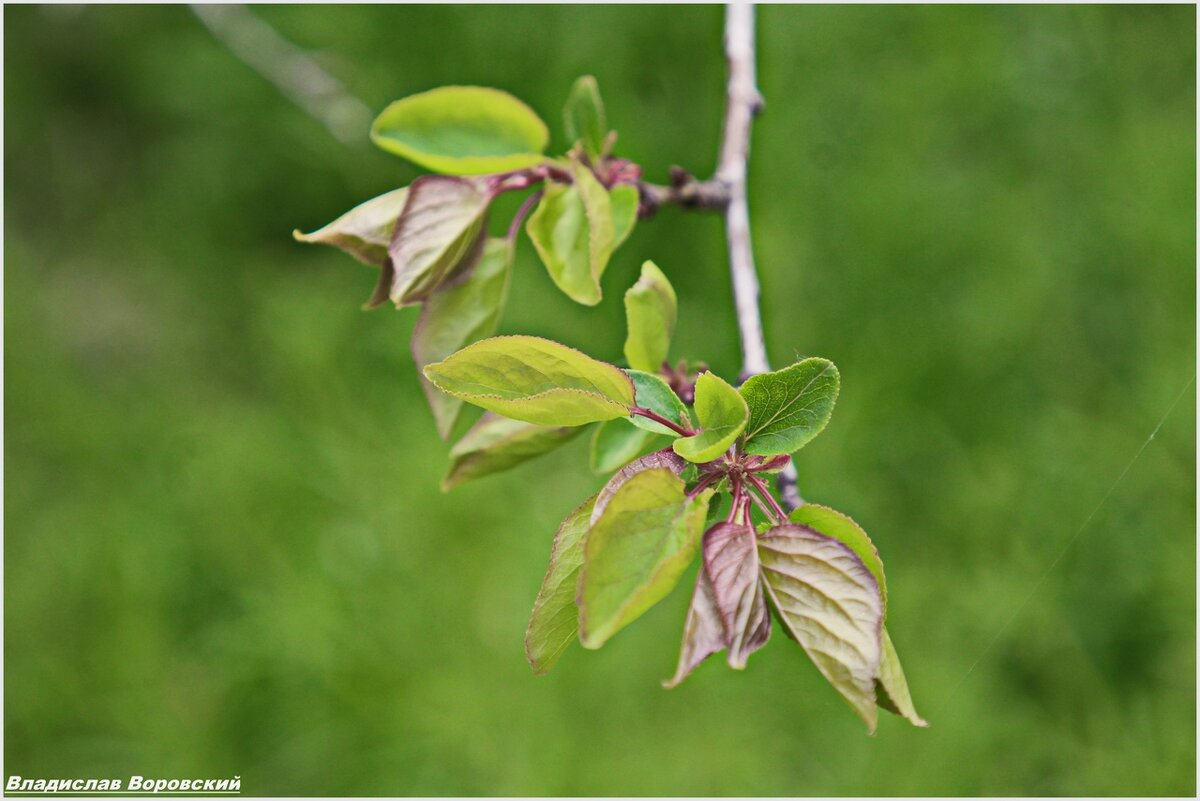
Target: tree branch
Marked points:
742	103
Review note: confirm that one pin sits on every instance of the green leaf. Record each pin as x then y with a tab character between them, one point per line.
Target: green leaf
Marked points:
722	414
636	551
703	632
456	316
554	622
842	528
495	444
829	602
664	458
535	380
584	117
573	231
625	200
652	393
617	443
439	235
462	130
650	319
365	231
891	688
731	562
789	407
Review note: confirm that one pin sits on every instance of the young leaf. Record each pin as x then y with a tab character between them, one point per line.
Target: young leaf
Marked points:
559	232
831	523
573	231
664	458
625	200
636	551
365	231
789	407
617	443
554	622
828	600
722	413
439	235
652	393
584	117
650	319
495	444
891	688
535	380
462	130
731	561
456	316
703	634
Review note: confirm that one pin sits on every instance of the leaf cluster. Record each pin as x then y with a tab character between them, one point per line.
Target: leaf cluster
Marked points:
430	240
675	440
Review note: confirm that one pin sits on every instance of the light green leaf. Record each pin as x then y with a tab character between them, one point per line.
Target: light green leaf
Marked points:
636	551
573	231
722	414
829	602
664	458
495	444
789	407
625	200
554	622
650	319
456	316
891	688
535	380
439	235
365	231
617	443
834	524
462	130
652	393
584	117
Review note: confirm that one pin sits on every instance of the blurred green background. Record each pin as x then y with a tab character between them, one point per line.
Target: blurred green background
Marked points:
225	547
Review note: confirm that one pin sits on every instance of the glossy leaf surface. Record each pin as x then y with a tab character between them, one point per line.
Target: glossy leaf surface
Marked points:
650	319
554	622
535	380
495	444
651	392
722	414
829	602
789	407
456	316
703	633
583	116
439	234
365	231
636	550
731	562
841	527
462	130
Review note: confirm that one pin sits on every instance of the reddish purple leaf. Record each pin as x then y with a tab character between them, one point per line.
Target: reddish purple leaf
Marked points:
731	562
703	634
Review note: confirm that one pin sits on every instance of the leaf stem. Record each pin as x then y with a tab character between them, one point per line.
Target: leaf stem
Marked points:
658	418
704	483
760	485
522	212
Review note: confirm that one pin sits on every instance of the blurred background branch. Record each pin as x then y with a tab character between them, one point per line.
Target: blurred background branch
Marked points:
293	71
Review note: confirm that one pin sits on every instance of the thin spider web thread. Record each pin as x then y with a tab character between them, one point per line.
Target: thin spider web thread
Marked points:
1071	542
